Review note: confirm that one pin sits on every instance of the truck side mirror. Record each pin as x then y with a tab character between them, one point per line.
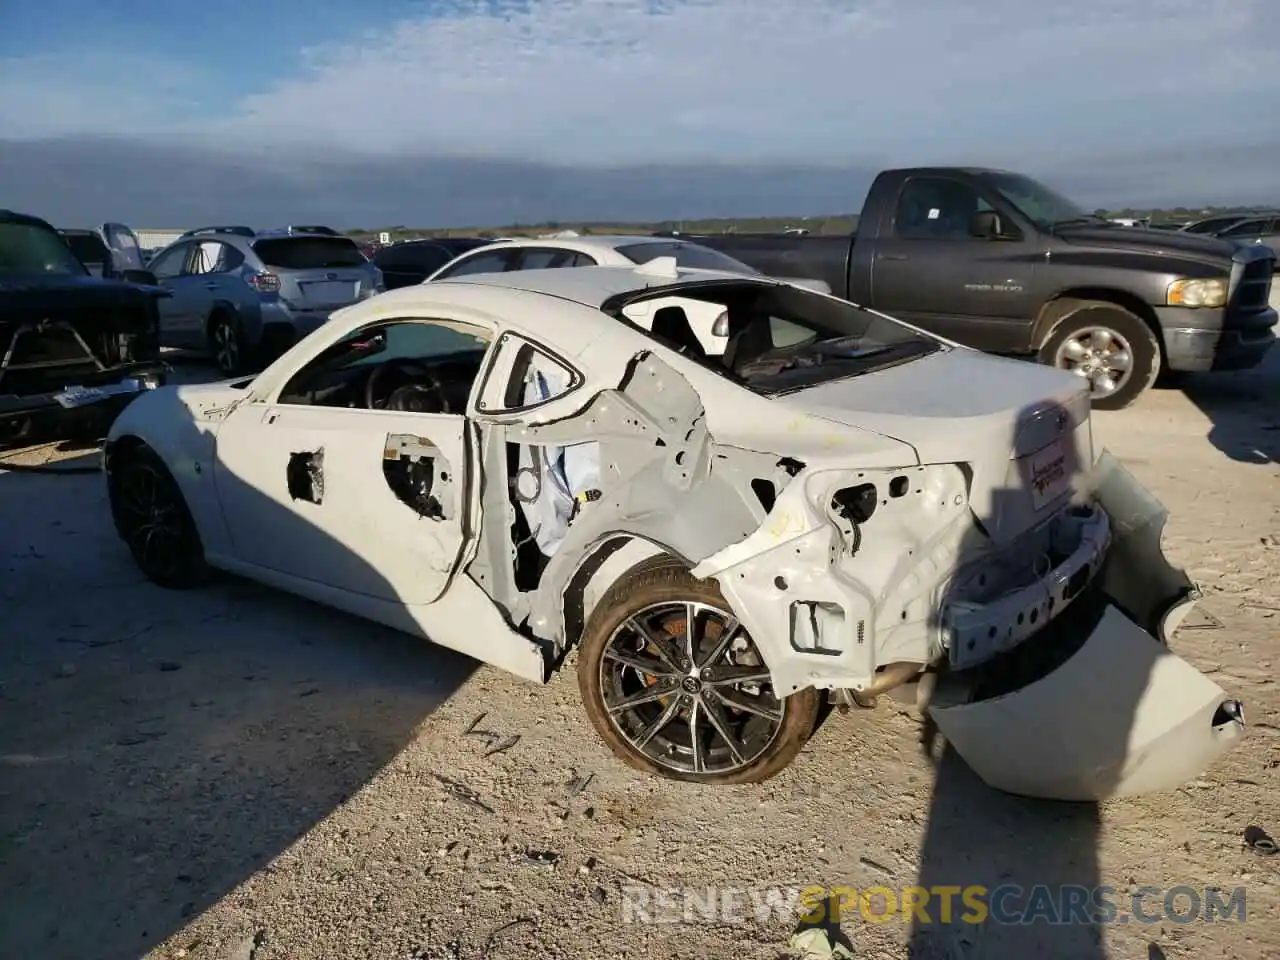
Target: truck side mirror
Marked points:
986	225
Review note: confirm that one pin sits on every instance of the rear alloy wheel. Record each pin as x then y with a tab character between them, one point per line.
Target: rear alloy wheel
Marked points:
676	686
226	344
151	516
1110	348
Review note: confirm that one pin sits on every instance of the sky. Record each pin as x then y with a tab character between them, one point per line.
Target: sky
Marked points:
474	112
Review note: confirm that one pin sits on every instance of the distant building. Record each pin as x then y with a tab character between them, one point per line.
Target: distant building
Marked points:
152	239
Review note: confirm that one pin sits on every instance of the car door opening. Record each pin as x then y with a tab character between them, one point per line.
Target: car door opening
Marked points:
415	469
305	475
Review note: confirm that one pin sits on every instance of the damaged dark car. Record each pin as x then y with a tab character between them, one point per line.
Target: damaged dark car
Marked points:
74	349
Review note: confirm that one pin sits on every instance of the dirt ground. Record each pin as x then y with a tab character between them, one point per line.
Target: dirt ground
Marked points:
234	774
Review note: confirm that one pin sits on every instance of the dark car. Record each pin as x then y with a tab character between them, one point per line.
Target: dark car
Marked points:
106	251
411	262
74	348
1000	262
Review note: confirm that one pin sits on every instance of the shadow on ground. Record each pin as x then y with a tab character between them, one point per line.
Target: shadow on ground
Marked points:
157	748
1243	408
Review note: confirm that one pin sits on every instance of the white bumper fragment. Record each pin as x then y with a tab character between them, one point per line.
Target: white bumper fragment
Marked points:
1122	714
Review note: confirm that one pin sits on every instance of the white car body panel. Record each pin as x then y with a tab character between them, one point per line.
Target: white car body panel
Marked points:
603	249
992	517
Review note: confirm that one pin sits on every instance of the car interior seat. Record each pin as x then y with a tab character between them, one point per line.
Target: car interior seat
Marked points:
671	327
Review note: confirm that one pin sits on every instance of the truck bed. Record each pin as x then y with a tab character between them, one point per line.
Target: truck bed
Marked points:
822	257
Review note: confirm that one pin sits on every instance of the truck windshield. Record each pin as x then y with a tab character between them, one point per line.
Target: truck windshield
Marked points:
1044	207
776	338
29	248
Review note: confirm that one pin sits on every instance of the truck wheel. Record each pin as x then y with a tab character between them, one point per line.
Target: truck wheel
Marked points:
676	687
1113	349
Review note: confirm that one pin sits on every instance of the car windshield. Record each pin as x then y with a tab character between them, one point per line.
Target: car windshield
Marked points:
778	338
309	253
1044	207
692	256
88	248
30	248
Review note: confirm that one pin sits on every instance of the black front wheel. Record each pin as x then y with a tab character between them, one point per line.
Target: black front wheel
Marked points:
152	517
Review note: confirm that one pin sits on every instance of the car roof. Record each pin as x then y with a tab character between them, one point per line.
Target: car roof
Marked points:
588	243
591	286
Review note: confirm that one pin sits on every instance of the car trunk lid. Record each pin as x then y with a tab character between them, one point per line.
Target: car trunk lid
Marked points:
316	272
1023	429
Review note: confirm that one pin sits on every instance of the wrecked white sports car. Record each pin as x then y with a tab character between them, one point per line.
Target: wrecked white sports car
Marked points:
733	495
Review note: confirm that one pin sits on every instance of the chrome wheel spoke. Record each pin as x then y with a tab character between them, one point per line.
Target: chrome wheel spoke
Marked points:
732	676
643	696
663	644
677	699
648	666
659	723
721	647
695	739
720	722
747	704
692	633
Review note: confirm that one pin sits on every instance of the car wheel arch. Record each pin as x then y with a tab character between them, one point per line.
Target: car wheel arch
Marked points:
1058	308
607	561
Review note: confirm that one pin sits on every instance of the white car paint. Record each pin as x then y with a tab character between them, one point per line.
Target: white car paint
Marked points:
983	468
605	251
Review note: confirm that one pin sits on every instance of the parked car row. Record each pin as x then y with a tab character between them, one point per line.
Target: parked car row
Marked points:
986	258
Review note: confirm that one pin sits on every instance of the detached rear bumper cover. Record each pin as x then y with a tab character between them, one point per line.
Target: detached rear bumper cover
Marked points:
1122	715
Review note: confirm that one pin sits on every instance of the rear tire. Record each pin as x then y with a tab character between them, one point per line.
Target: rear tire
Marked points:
1114	350
152	518
226	343
719	721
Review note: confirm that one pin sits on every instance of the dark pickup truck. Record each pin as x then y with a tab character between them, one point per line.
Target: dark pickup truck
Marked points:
74	349
999	262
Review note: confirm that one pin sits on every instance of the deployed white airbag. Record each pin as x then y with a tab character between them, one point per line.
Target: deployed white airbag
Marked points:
550	479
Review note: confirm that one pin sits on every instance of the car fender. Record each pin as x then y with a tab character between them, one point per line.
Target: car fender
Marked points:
184	439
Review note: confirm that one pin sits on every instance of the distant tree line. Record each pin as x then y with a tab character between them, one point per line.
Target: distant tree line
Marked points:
840	223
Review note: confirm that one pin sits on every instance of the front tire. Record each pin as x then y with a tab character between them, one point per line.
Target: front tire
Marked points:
695	707
152	518
1114	350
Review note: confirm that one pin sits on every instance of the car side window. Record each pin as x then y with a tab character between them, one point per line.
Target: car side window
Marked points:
936	208
583	260
1246	228
438	355
493	262
524	375
213	256
169	264
545	258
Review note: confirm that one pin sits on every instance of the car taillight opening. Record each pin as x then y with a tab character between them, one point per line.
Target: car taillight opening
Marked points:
264	282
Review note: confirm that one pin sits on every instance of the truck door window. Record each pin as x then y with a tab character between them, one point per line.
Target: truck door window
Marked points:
936	208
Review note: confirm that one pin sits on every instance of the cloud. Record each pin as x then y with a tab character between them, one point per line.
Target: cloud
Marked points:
621	100
621	81
612	81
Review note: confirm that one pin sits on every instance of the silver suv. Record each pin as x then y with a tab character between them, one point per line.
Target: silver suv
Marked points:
246	296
